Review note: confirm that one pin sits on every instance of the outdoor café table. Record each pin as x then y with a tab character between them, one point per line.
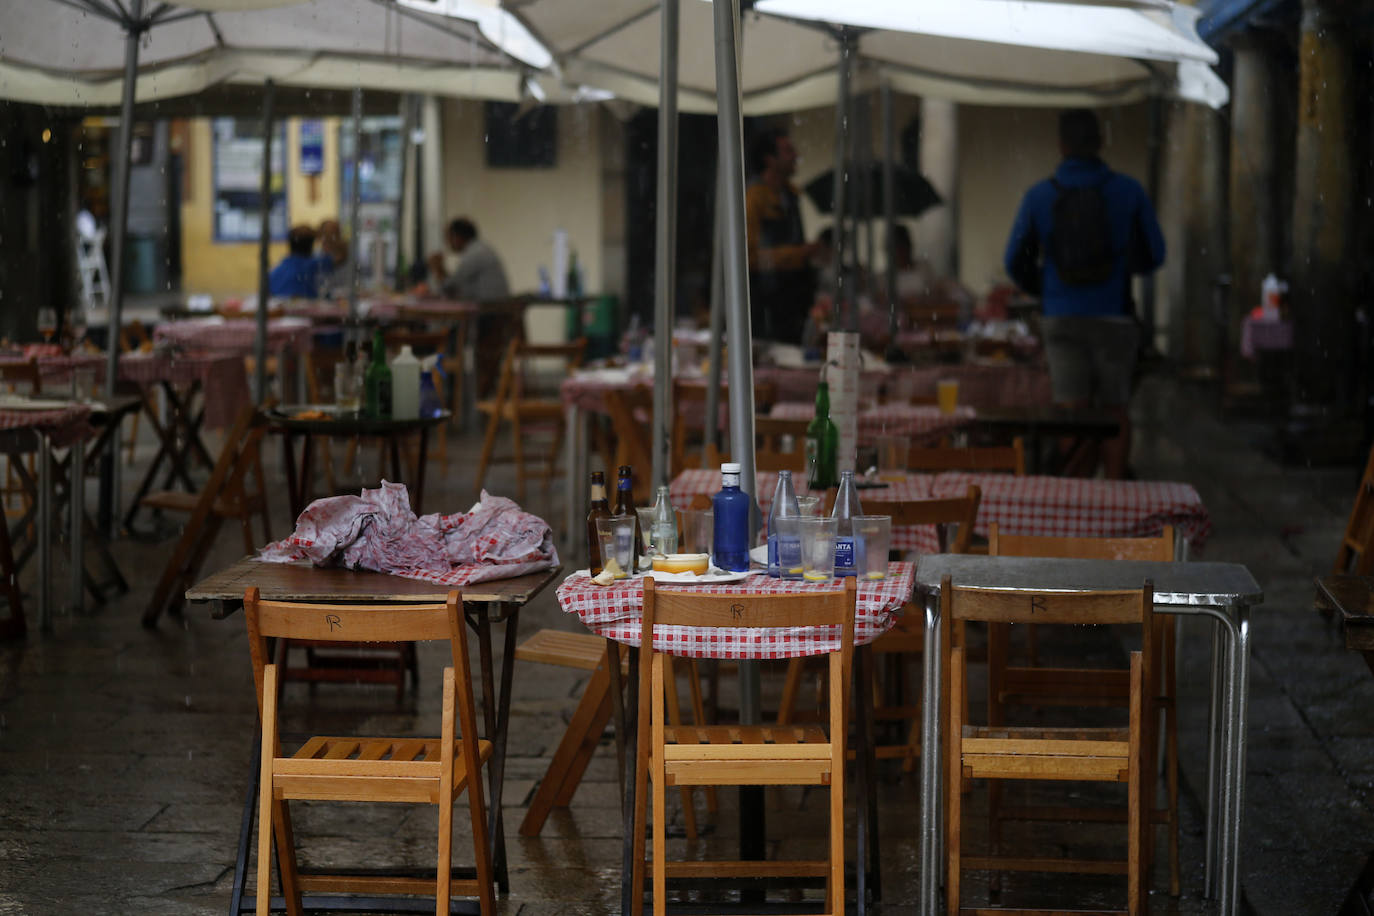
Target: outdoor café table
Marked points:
922	423
236	335
1221	591
220	380
614	612
29	425
1057	506
982	383
1036	421
284	420
1353	598
498	601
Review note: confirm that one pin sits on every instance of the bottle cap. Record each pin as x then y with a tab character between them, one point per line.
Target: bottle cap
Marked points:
730	467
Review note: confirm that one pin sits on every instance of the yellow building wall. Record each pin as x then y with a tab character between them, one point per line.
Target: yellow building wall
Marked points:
224	269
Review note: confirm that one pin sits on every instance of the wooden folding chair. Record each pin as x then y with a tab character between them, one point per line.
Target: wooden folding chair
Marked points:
689	401
735	755
519	404
587	652
1008	458
907	639
14	626
26	374
376	769
133	337
1097	754
1010	685
224	496
1354	556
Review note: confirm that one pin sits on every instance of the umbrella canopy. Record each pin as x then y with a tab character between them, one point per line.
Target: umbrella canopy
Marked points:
52	54
1112	56
912	194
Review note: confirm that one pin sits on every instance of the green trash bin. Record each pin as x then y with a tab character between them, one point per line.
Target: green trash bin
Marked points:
141	271
601	325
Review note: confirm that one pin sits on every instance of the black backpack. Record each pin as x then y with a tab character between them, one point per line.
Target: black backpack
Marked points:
1081	241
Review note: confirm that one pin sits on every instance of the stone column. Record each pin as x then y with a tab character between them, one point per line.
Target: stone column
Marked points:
1256	247
936	231
432	174
1322	283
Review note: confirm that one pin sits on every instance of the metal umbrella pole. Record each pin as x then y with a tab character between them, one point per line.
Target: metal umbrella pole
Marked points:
837	199
119	217
717	319
355	194
890	215
665	242
264	242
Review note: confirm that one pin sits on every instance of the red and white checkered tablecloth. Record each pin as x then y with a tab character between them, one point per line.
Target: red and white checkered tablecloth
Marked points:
56	368
223	381
237	335
614	611
1049	506
587	387
437	309
919	422
981	384
63	424
1075	507
799	383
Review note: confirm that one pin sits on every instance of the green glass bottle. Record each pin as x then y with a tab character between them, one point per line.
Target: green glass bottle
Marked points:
377	381
822	443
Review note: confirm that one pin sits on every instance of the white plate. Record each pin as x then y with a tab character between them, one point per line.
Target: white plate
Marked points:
713	577
14	403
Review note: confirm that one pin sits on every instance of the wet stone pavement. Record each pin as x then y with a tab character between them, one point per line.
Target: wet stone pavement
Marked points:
124	752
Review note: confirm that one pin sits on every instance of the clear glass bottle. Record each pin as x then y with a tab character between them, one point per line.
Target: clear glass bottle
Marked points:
731	509
846	509
784	546
663	533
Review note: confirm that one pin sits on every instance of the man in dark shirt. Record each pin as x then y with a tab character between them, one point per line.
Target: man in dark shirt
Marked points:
1089	323
300	273
781	282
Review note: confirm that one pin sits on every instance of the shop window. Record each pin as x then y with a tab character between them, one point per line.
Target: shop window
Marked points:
237	180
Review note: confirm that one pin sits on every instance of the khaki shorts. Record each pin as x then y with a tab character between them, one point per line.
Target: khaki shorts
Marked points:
1091	359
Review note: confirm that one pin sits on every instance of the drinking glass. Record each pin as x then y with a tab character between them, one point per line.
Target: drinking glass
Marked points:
818	548
47	322
873	536
809	505
698	528
892	454
83	383
947	395
617	534
347	390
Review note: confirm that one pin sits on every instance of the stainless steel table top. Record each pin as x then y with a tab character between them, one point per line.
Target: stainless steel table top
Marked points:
1177	584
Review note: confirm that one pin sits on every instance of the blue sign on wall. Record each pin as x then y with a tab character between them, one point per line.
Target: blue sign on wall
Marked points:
312	147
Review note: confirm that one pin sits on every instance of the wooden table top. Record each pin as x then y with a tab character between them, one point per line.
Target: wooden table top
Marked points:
1353	598
304	582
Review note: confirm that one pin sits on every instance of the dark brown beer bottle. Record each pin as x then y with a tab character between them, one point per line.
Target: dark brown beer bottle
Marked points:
599	508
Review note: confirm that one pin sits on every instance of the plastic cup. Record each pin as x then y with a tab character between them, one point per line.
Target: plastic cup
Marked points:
617	534
698	530
347	391
646	529
809	505
947	395
818	548
873	537
892	454
83	382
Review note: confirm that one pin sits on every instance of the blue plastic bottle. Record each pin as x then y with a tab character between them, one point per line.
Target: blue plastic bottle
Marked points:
784	550
731	509
847	508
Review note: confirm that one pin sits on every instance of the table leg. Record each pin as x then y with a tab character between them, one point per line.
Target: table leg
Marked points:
628	890
76	506
932	859
495	709
288	460
1238	688
44	532
866	867
575	441
421	460
1215	752
617	711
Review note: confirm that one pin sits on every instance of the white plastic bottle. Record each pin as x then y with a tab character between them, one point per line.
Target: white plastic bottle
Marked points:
405	385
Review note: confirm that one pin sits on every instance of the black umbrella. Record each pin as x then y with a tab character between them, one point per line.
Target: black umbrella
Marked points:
913	194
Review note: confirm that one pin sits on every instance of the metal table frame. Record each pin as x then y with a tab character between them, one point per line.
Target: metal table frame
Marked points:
1222	591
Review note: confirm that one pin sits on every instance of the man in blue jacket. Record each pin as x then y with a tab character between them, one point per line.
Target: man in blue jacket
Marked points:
1078	238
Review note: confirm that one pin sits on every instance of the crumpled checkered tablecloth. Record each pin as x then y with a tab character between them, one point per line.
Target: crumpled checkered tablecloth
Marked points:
378	531
614	611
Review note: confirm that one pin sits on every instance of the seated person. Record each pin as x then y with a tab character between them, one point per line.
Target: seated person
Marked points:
300	274
926	299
